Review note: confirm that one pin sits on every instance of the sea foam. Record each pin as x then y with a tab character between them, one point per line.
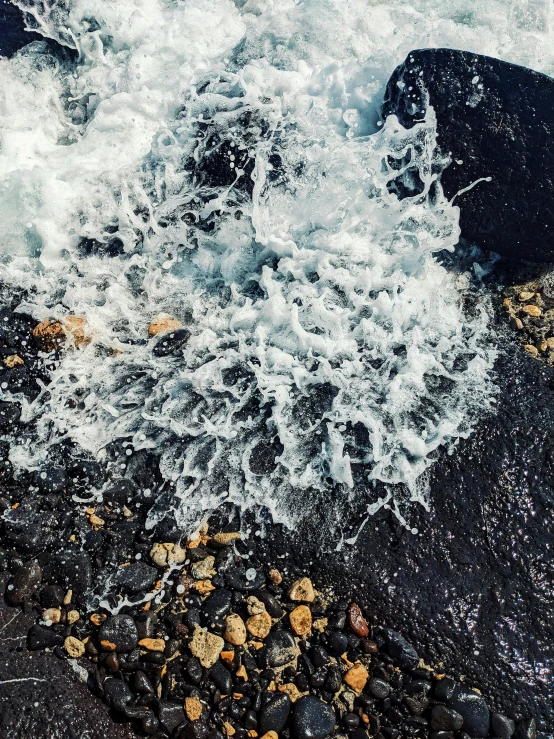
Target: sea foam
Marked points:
224	163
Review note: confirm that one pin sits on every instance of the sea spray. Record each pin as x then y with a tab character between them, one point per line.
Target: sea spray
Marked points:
223	165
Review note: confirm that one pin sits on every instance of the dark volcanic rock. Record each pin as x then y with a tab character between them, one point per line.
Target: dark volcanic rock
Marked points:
71	566
274	714
121	631
400	650
137	576
445	719
24	583
40	638
281	648
473	709
312	719
502	726
494	119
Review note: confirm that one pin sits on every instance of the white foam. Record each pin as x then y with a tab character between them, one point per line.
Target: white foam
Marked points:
114	141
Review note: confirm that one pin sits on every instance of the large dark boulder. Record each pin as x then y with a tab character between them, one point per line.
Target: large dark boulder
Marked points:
495	120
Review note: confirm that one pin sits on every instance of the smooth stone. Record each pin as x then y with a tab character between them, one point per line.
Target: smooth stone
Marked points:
378	688
24	583
120	492
312	718
444	689
500	128
26	529
319	656
52	479
73	565
338	643
474	710
51	596
502	726
333	681
222	678
137	576
171	343
121	631
400	650
236	579
445	719
281	648
274	715
119	695
141	683
170	715
40	638
193	670
272	605
217	605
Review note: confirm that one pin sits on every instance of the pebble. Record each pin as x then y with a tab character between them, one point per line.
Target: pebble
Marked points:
222	539
356	678
24	583
204	569
218	605
162	324
170	714
502	726
400	650
136	577
52	615
168	554
236	579
119	631
222	678
74	647
193	708
73	616
259	625
302	590
530	349
378	688
274	714
312	718
206	646
153	645
254	606
338	643
356	620
445	719
235	630
275	576
532	310
272	605
171	343
301	620
526	729
51	596
525	296
473	709
50	479
281	648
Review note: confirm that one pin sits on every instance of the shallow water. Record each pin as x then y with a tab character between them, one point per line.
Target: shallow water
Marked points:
223	163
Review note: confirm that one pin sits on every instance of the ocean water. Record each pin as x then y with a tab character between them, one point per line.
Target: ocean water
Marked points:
225	163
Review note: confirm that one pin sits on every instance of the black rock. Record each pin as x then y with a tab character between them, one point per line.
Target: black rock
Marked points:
444	689
273	716
333	681
281	648
40	638
502	726
146	625
445	719
494	119
312	718
137	576
121	631
51	596
222	678
26	529
120	492
150	724
10	413
172	343
87	472
473	709
526	729
51	479
378	688
170	715
441	735
338	643
400	650
24	583
218	605
198	730
236	578
73	566
272	605
118	695
141	683
193	670
319	656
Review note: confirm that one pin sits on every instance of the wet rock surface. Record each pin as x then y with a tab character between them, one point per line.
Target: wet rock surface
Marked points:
493	120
